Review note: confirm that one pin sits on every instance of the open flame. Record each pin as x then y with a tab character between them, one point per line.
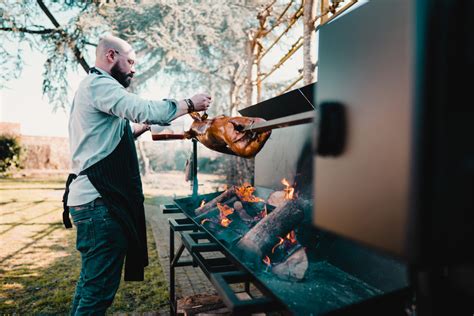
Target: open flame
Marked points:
245	193
225	222
203	202
289	190
267	261
278	244
292	237
224	211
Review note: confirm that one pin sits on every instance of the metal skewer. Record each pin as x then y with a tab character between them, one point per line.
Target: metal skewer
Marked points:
296	119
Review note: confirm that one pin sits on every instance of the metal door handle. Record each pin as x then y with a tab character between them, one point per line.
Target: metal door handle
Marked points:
331	130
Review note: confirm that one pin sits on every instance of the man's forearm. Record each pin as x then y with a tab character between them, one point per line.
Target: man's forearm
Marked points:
181	109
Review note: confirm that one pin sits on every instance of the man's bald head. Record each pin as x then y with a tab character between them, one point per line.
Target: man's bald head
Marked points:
117	57
109	42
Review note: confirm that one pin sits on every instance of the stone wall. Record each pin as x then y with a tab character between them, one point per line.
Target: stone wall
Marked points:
10	128
41	152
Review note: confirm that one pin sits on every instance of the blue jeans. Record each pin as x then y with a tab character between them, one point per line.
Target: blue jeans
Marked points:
102	244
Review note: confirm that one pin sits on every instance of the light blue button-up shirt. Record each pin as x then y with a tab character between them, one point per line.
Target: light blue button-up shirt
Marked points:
96	125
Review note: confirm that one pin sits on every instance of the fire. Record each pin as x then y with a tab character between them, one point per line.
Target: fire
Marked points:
245	193
203	202
292	237
267	261
278	244
225	222
289	190
224	211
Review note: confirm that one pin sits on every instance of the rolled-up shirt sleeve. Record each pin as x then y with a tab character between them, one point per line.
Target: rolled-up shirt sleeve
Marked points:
110	97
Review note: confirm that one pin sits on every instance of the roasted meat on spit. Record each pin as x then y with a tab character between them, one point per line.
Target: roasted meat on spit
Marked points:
226	134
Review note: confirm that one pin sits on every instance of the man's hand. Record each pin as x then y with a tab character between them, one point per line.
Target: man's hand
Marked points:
201	101
139	129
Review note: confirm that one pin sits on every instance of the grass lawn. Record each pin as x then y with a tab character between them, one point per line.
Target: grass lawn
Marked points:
39	264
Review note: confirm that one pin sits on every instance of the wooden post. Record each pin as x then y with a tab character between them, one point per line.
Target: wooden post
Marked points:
324	8
259	81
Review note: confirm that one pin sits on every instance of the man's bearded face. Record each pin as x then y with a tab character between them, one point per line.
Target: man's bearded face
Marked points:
121	76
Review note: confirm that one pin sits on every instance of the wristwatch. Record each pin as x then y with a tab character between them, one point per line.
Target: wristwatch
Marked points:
190	105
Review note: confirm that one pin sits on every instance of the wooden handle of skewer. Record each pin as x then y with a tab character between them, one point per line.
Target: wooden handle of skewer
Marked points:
158	137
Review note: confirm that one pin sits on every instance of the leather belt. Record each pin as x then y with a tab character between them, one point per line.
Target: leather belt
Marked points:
97	202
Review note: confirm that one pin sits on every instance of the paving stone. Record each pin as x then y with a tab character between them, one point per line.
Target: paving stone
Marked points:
189	280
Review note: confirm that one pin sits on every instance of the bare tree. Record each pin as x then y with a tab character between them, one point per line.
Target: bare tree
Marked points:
309	41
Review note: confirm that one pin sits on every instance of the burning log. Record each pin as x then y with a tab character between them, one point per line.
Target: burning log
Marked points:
277	198
212	204
242	212
294	267
260	240
228	202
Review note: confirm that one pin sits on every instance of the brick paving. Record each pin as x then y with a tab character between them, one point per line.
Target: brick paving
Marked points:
189	280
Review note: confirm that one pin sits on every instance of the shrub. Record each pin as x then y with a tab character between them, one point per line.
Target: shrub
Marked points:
10	151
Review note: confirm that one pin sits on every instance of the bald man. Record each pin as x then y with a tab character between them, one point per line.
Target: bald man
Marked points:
104	193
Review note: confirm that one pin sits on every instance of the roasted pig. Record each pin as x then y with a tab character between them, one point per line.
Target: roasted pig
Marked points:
225	134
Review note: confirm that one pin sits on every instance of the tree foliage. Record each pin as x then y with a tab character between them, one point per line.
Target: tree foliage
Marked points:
196	44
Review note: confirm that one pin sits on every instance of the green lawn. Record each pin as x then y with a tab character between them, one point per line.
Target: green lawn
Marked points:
39	264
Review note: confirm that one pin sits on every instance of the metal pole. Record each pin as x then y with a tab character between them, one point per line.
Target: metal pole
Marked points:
172	299
195	162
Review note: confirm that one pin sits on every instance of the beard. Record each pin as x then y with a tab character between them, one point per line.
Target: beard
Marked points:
122	77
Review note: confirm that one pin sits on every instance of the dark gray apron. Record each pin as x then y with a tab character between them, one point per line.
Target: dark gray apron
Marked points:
117	179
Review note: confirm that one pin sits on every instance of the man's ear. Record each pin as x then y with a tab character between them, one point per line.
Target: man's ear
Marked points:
110	55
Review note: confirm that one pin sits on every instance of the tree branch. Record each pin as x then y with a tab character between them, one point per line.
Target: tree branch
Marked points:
71	43
26	30
48	13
